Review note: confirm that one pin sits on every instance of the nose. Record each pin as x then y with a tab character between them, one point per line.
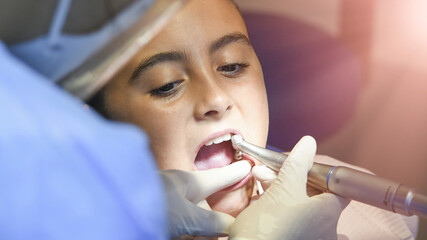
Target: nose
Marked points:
213	102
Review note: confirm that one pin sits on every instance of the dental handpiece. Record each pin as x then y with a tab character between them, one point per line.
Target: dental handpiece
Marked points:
347	182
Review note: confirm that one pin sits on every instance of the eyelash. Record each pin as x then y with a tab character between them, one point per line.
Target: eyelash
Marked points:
238	68
166	90
171	88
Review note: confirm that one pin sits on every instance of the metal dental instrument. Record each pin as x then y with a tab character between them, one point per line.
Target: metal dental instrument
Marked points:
347	182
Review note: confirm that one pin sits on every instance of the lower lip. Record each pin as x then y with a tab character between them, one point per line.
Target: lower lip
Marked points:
238	185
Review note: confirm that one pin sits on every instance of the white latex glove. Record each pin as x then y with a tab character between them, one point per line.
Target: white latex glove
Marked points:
285	211
186	193
266	176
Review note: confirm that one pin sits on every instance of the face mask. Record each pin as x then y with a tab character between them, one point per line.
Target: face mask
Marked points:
55	54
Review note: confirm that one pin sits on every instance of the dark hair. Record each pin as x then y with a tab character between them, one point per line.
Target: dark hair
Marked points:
98	103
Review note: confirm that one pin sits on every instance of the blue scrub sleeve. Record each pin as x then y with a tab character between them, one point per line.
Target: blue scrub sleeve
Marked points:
65	172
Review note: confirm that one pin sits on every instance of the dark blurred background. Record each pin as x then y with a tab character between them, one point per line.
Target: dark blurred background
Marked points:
353	74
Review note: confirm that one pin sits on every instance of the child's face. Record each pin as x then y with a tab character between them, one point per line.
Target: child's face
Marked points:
199	79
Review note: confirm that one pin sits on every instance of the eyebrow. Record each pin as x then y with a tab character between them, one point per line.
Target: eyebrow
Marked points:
227	39
182	56
157	59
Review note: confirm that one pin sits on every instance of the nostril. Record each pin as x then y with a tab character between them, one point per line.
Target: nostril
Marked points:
211	113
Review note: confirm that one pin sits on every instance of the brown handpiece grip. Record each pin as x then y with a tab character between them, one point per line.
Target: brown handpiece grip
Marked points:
368	188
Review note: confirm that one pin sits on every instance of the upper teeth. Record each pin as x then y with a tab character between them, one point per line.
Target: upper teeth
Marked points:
221	139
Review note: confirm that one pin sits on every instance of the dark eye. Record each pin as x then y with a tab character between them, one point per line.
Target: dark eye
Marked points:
167	89
233	70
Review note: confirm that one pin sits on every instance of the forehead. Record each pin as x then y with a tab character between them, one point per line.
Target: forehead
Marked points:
199	23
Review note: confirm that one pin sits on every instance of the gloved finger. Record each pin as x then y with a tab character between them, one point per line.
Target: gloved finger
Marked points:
204	183
328	208
204	204
293	173
264	175
208	223
332	203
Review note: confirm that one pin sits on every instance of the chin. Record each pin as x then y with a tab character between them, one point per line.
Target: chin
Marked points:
233	202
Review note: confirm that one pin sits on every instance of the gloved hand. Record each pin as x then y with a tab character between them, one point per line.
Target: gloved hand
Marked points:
266	176
186	189
285	211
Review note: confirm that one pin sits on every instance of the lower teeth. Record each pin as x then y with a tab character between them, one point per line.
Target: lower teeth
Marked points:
238	155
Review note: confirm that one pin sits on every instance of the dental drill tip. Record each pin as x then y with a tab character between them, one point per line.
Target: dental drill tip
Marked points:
238	155
272	159
236	141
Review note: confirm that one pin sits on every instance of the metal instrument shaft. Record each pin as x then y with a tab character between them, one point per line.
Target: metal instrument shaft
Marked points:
347	182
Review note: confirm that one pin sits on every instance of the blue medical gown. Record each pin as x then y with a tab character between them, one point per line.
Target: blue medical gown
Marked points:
65	172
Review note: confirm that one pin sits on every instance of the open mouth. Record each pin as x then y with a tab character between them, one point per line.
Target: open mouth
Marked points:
216	153
219	152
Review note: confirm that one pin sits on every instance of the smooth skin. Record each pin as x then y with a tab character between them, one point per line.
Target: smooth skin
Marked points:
198	79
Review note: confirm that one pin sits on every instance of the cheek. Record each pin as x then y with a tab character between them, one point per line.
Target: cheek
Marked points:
259	119
167	137
255	110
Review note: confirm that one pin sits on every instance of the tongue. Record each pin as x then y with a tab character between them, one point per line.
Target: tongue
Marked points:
214	156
